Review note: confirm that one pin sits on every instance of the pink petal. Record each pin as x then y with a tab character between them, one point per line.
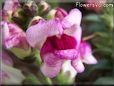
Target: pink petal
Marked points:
52	65
64	47
37	34
13	36
51	59
67	54
10	29
50	71
8	5
63	42
76	32
86	53
18	40
89	59
11	5
4	29
74	18
13	28
78	65
46	48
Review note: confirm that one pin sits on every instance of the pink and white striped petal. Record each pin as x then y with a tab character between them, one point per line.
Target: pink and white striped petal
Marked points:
73	18
50	71
13	36
52	65
37	34
60	13
67	54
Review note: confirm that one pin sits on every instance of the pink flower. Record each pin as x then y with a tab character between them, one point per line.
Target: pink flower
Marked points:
11	5
14	39
58	40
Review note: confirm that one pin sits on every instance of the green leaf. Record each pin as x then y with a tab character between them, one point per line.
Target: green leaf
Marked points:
105	81
96	27
92	17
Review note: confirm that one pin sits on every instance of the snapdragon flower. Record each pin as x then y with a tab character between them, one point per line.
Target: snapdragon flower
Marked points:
59	40
14	39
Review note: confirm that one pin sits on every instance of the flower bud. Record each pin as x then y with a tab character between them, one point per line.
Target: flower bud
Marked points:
43	7
35	20
51	14
14	39
57	13
18	16
30	8
60	13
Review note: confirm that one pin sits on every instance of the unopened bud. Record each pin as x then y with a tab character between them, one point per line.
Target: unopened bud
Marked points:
60	13
35	20
30	8
43	7
51	14
18	16
57	13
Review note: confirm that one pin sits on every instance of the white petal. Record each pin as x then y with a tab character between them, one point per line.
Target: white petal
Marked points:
67	67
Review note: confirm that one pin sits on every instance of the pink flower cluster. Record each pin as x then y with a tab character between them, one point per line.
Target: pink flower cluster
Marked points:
58	39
